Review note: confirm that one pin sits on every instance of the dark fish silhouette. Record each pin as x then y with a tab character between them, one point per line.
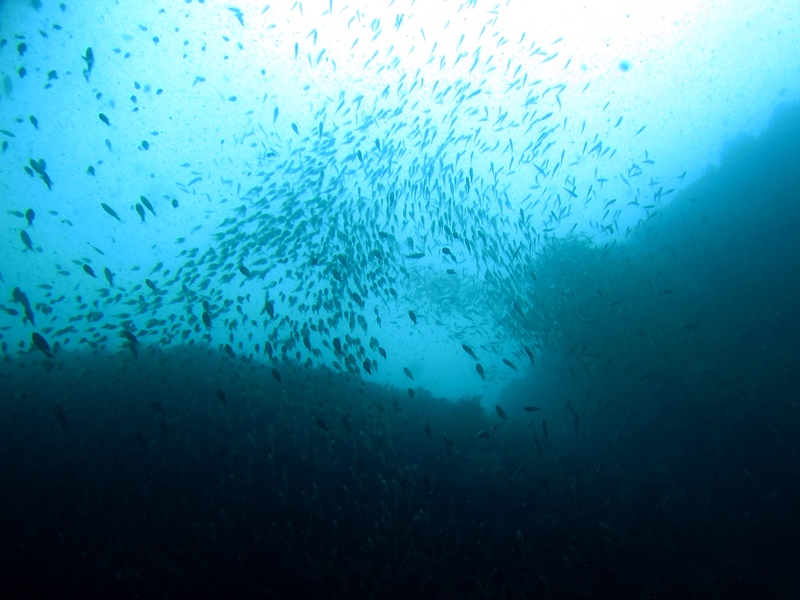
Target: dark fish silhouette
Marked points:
110	211
41	344
26	239
19	296
469	351
147	205
109	275
129	336
89	58
530	354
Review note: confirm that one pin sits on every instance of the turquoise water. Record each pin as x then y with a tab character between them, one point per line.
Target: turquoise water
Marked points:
381	290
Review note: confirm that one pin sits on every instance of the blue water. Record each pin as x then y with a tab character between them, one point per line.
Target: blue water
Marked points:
358	301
